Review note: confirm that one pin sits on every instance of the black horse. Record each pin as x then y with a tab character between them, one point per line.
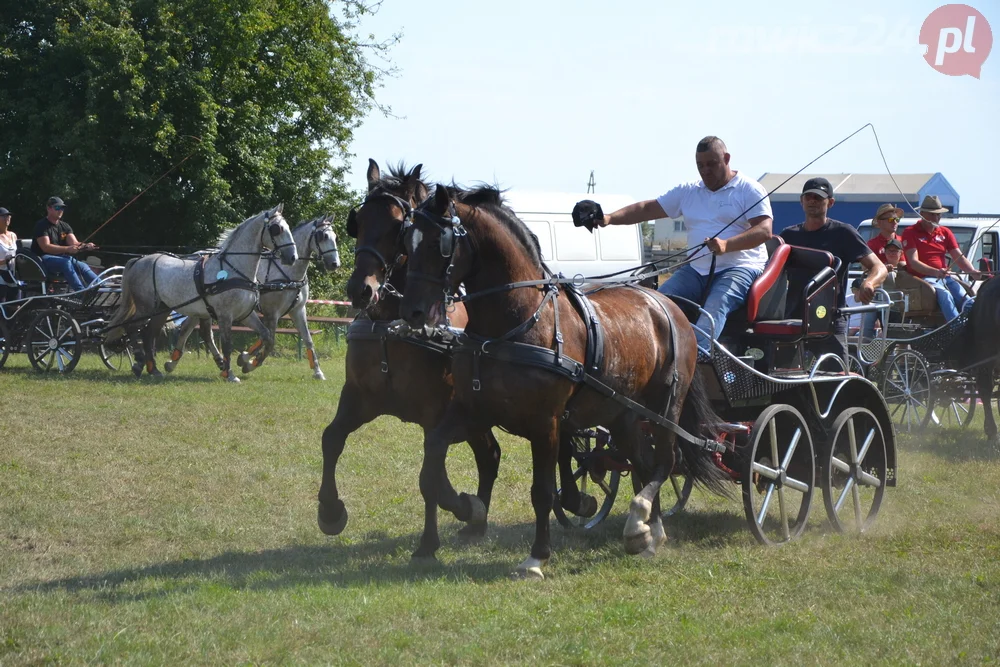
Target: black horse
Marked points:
980	345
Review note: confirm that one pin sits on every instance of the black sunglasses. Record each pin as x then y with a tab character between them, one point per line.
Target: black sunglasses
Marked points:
59	208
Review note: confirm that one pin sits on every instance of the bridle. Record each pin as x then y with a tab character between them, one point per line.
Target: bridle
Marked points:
452	231
406	223
314	239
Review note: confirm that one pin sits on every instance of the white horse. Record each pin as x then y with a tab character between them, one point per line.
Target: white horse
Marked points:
289	296
221	285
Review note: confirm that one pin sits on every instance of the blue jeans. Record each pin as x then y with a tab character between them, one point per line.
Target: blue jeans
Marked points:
951	296
728	292
69	267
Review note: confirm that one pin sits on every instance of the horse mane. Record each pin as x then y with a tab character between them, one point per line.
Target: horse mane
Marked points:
395	181
226	236
491	198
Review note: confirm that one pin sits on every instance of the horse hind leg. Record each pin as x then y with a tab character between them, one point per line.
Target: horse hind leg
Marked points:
984	387
643	533
150	332
571	498
226	335
208	339
182	336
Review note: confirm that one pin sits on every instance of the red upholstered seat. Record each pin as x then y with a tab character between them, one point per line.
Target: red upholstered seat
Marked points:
778	327
770	287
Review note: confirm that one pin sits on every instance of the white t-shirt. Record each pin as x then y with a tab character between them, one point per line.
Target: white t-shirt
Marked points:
706	212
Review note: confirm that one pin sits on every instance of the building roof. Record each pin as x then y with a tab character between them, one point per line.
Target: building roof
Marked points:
851	184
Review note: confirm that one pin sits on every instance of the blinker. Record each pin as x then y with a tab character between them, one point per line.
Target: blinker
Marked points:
352	223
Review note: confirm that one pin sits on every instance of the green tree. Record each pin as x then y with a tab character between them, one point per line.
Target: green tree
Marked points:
243	103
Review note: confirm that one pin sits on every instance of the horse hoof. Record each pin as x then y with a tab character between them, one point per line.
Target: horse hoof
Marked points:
169	366
648	554
246	369
473	531
639	541
156	375
332	521
243	359
318	375
528	574
137	369
588	506
231	377
477	509
422	560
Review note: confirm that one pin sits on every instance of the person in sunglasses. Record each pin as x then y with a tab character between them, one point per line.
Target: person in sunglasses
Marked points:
886	221
54	242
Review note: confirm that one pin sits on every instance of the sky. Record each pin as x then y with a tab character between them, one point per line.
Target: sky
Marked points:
536	95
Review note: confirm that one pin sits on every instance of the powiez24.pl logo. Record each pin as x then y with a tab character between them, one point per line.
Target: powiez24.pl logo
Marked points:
958	40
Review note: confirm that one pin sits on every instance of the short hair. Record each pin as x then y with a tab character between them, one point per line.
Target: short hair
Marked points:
710	142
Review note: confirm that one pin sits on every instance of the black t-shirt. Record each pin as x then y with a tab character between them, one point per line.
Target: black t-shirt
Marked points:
837	238
57	234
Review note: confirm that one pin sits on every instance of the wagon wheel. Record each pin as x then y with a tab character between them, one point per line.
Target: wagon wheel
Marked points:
118	355
854	365
594	476
778	474
906	387
854	473
54	341
953	402
4	345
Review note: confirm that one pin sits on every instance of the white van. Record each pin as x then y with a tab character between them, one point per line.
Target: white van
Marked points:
574	251
978	236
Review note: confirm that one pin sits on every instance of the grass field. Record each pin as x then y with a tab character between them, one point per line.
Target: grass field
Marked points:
174	523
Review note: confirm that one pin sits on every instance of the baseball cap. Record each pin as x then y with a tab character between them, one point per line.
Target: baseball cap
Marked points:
893	243
818	186
54	201
3	211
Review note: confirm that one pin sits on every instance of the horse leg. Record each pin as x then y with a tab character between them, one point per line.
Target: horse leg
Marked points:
486	449
434	478
205	329
299	318
544	452
226	334
570	498
644	532
149	342
351	415
984	387
266	334
182	336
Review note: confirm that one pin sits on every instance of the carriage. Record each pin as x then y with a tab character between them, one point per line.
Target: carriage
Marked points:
795	423
54	325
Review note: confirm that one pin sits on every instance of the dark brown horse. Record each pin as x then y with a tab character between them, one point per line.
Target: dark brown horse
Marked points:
649	357
980	345
396	377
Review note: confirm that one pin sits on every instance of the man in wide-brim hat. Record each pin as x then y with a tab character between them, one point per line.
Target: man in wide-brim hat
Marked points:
926	246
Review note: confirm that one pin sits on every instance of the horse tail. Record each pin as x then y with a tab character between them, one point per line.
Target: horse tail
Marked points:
699	419
126	306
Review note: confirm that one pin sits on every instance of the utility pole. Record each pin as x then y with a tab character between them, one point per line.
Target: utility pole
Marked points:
591	184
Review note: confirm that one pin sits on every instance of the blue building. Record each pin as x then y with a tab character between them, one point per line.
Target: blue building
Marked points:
857	196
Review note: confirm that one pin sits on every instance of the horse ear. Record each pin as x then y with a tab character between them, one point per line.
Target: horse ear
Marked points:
374	175
352	224
441	199
279	208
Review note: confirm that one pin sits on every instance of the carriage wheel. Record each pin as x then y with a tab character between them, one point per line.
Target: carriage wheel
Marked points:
953	403
779	474
118	355
854	365
4	346
592	477
54	341
854	475
906	387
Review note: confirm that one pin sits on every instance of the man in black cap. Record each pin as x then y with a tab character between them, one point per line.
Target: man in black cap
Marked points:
842	241
54	242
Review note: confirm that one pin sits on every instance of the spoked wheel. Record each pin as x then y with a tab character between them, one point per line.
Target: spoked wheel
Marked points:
854	365
596	470
778	474
854	475
117	356
4	345
54	341
907	390
953	401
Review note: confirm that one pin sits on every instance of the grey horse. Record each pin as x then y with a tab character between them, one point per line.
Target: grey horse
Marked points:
221	285
292	291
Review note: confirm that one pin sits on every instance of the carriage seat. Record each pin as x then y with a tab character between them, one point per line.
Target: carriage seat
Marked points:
919	296
796	296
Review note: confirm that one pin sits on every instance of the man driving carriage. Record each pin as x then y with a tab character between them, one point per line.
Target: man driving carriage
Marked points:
731	213
925	246
54	243
842	241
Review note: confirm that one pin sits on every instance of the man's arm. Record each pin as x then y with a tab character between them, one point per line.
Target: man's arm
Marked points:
924	269
876	276
50	248
635	213
759	232
963	263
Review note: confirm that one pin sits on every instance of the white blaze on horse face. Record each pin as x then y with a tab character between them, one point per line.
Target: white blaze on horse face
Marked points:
416	240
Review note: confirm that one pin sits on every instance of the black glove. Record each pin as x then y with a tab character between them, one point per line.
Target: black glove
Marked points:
587	214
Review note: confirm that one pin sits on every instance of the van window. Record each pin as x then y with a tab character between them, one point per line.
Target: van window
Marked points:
619	243
540	228
574	243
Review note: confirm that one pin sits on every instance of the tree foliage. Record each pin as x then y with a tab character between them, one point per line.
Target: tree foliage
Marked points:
245	103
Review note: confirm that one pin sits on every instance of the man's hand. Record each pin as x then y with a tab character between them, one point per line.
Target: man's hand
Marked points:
866	292
942	273
716	245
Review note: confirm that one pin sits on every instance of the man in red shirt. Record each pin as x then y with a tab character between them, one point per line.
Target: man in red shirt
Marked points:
926	244
886	221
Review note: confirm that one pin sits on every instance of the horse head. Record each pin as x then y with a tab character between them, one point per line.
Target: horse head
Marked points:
378	225
278	236
437	261
324	239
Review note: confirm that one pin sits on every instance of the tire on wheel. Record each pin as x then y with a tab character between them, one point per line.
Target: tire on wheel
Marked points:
597	480
778	475
4	344
953	401
906	386
54	341
854	471
117	356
